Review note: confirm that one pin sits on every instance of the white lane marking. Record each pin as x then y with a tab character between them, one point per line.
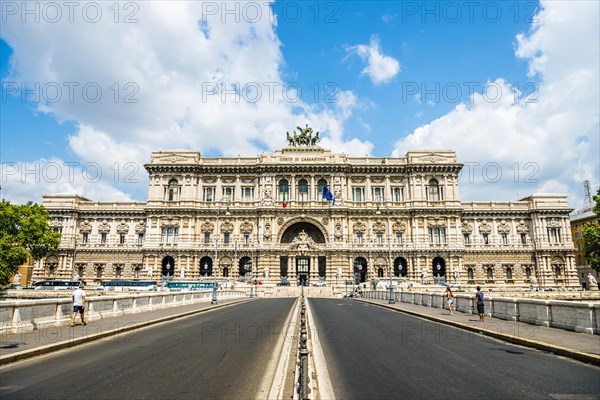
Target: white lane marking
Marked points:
323	379
273	383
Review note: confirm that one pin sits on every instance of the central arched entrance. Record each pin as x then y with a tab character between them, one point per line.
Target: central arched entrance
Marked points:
302	240
360	270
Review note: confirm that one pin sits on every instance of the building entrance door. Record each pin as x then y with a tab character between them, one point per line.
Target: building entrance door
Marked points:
303	270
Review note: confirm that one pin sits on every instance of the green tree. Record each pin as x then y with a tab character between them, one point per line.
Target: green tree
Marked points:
591	238
24	231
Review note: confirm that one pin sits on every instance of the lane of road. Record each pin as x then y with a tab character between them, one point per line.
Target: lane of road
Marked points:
221	354
372	352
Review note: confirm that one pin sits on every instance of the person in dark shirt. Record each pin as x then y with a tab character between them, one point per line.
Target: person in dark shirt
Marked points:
480	305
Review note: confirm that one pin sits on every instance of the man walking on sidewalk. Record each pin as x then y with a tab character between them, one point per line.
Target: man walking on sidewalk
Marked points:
78	304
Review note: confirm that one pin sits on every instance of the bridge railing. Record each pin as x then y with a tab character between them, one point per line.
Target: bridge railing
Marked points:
27	315
570	315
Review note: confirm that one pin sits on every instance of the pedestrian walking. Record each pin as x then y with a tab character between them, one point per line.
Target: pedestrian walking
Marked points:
78	304
449	299
480	305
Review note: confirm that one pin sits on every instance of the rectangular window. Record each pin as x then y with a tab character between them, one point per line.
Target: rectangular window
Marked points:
504	238
398	194
554	235
140	238
206	238
209	194
322	261
103	238
226	237
437	235
170	234
466	238
576	235
59	230
379	238
84	238
358	194
246	238
486	238
228	193
523	238
121	238
248	194
377	193
283	266
359	238
399	238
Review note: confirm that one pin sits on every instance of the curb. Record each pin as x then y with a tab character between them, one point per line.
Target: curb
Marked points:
562	351
23	355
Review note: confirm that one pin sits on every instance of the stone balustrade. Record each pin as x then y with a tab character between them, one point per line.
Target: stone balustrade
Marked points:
578	316
26	315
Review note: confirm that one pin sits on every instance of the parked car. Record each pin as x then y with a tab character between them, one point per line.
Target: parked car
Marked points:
283	282
320	283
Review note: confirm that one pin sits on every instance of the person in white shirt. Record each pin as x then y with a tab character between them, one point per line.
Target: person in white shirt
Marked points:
78	304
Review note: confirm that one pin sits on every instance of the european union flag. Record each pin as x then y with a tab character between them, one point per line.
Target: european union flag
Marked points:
327	195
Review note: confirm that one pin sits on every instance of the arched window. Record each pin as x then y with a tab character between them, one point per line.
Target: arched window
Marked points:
509	274
51	270
321	183
136	272
527	272
118	271
99	272
80	271
225	272
283	190
380	272
172	191
434	191
303	190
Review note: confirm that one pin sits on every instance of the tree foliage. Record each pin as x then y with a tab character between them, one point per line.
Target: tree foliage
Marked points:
24	231
591	238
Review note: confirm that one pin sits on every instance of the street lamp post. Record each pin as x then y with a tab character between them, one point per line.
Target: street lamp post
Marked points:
392	299
215	263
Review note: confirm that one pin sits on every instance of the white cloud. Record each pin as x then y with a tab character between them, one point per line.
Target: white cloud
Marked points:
23	182
380	68
551	145
177	78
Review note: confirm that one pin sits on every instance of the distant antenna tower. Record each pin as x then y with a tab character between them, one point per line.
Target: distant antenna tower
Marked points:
587	201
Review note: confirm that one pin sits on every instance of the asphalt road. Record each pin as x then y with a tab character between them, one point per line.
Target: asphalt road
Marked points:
374	353
221	354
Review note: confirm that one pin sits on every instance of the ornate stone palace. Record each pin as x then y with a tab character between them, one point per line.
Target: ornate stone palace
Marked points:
266	217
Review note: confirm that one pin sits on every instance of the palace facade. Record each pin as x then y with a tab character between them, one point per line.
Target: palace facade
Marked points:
265	217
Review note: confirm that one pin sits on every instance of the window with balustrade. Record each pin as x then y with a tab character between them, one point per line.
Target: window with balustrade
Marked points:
303	190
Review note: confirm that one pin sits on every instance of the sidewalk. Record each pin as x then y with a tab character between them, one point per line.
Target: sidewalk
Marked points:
580	346
19	346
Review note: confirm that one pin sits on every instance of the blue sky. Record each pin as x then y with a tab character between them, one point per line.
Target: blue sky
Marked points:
376	78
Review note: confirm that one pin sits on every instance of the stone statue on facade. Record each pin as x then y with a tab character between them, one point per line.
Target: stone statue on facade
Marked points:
17	279
304	138
266	273
76	277
339	272
424	273
149	271
456	274
533	280
182	272
593	281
